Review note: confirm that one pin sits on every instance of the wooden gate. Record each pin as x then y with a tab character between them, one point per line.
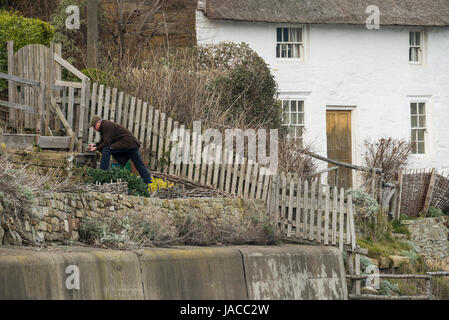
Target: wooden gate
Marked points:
34	62
58	107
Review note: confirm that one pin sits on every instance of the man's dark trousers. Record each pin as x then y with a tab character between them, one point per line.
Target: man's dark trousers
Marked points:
122	156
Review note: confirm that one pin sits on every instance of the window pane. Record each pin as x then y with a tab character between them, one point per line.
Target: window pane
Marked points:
417	38
299	34
421	147
301	106
289	50
412	38
414	135
413	108
422	121
422	108
414	121
301	118
284	51
279	34
285	39
294	118
292	35
420	135
278	51
294	105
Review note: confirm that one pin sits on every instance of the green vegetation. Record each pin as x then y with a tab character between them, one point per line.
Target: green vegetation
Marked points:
247	83
136	186
101	77
22	31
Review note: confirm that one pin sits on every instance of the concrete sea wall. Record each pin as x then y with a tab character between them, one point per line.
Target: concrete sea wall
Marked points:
197	273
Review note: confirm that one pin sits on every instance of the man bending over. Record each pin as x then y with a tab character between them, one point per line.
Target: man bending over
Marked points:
120	143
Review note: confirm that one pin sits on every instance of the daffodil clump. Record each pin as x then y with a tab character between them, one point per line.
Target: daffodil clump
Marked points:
158	183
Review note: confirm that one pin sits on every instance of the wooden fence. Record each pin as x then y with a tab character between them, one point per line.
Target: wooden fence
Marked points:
421	189
312	212
216	167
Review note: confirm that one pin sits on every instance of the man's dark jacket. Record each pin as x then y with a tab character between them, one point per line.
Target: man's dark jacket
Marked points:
116	137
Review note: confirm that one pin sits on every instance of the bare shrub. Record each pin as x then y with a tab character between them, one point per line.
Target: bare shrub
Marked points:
388	154
224	86
293	158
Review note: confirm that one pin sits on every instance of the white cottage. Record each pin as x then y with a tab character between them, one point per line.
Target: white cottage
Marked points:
342	81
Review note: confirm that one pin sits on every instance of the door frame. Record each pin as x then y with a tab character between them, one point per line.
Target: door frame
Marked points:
355	152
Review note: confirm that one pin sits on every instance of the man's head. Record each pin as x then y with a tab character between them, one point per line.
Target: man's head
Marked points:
95	122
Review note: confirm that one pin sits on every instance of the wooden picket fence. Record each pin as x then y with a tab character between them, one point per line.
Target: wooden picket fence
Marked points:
312	212
216	167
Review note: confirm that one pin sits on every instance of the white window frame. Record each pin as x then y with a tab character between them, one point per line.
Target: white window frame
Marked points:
418	127
420	47
302	47
303	125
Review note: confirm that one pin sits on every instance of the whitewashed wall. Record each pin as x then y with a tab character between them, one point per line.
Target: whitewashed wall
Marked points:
365	69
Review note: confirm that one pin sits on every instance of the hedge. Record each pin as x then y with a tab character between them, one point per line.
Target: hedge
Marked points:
22	31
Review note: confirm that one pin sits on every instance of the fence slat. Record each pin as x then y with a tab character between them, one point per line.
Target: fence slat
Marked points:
348	219
319	211
154	139
305	209
235	172
70	106
171	167
107	100
204	161
312	211
334	216
342	221
93	110
132	108
126	111
230	162
326	215
143	122
120	107
137	118
210	164
254	180
185	151
298	208
290	208
282	217
113	108
168	132
100	108
149	133
190	173
260	183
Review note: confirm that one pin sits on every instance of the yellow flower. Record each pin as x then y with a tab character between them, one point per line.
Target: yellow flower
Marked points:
3	146
159	184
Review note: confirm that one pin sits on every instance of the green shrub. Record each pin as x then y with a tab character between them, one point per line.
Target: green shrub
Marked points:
434	212
101	77
22	31
136	185
250	87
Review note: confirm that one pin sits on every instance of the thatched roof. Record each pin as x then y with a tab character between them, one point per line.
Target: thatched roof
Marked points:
393	12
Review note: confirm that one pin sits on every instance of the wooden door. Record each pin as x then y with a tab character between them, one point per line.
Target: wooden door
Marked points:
339	147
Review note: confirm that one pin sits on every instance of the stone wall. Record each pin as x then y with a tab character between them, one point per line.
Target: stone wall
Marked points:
430	237
57	216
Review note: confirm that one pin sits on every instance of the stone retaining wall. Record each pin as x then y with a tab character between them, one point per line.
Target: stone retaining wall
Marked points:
430	237
57	216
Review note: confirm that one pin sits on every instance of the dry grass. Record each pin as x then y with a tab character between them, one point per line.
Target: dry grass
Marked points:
136	230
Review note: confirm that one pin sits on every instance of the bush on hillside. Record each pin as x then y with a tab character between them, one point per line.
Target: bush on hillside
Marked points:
22	31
